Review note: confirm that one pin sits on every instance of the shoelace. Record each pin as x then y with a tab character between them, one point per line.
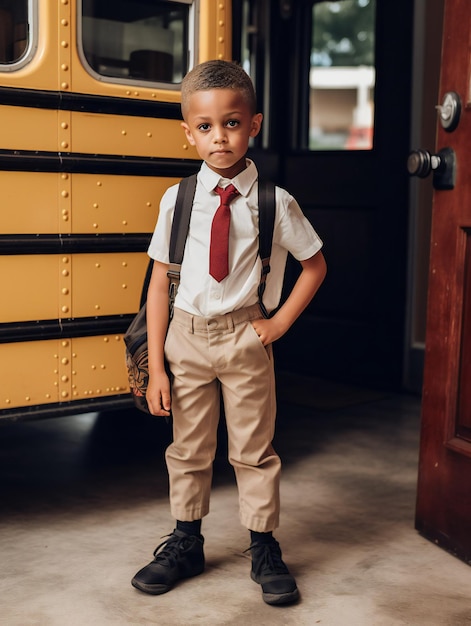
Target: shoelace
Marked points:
167	552
268	559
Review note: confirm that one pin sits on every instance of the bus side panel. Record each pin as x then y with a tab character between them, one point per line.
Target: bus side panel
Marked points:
30	287
116	204
107	283
132	136
29	373
29	203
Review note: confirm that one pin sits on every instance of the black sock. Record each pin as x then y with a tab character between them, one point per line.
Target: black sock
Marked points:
256	537
190	528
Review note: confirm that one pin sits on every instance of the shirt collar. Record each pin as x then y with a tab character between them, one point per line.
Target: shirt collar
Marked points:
243	182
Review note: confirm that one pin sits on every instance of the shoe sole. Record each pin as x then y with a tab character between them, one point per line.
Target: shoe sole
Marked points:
277	598
159	589
281	598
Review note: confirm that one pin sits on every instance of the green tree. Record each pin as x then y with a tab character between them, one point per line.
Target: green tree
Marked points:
343	33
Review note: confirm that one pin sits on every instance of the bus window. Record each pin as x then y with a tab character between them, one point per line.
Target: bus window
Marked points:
342	75
137	40
14	30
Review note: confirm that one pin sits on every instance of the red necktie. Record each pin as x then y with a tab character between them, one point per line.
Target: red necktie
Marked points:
219	249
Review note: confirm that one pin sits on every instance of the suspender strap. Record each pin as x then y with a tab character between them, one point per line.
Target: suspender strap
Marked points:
180	225
266	222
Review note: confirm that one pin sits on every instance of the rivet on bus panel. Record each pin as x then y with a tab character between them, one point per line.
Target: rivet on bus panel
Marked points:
65	344
65	309
103	366
65	272
65	2
221	39
64	22
65	291
27	398
105	339
65	361
95	225
65	259
93	367
65	379
65	85
65	176
95	205
125	222
48	396
97	307
99	183
64	125
64	67
149	134
123	132
221	23
65	394
65	44
124	264
97	265
65	194
148	203
8	401
64	144
124	286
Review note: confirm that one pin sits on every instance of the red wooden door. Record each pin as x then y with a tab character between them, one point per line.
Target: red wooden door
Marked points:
444	485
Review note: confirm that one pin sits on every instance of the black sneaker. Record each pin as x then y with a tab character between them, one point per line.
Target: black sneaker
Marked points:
179	556
269	571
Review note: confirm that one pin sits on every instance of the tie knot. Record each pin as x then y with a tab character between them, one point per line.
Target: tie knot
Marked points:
227	195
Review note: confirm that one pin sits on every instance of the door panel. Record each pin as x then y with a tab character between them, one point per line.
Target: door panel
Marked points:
444	486
356	198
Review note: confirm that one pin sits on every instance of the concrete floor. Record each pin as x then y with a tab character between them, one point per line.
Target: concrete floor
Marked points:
84	503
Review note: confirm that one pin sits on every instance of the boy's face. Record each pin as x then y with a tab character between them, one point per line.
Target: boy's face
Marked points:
218	122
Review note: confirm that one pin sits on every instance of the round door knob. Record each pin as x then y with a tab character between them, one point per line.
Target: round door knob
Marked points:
420	163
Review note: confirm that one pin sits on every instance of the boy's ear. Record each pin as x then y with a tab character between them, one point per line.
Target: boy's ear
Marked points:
256	124
188	134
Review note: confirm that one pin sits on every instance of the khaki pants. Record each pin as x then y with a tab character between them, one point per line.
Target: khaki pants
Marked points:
209	357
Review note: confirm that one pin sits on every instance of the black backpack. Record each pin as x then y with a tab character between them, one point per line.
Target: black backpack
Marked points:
135	337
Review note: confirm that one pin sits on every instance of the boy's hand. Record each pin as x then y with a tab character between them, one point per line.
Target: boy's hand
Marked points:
158	395
268	330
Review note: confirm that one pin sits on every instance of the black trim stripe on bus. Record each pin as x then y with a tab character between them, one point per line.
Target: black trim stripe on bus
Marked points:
88	103
78	163
15	244
74	407
19	332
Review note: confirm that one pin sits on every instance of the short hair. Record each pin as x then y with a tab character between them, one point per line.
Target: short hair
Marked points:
217	74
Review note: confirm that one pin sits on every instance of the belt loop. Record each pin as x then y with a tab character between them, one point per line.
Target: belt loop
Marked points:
230	322
192	324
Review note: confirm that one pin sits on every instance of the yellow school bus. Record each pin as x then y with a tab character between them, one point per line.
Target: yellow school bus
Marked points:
90	138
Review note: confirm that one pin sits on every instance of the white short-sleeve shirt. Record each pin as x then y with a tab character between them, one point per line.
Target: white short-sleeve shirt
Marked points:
199	293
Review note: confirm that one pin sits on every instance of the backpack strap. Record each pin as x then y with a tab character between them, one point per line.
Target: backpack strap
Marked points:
266	223
179	233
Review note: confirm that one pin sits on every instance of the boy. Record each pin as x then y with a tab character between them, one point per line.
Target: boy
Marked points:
218	341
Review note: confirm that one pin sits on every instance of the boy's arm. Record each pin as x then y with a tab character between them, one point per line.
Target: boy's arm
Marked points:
309	281
158	390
